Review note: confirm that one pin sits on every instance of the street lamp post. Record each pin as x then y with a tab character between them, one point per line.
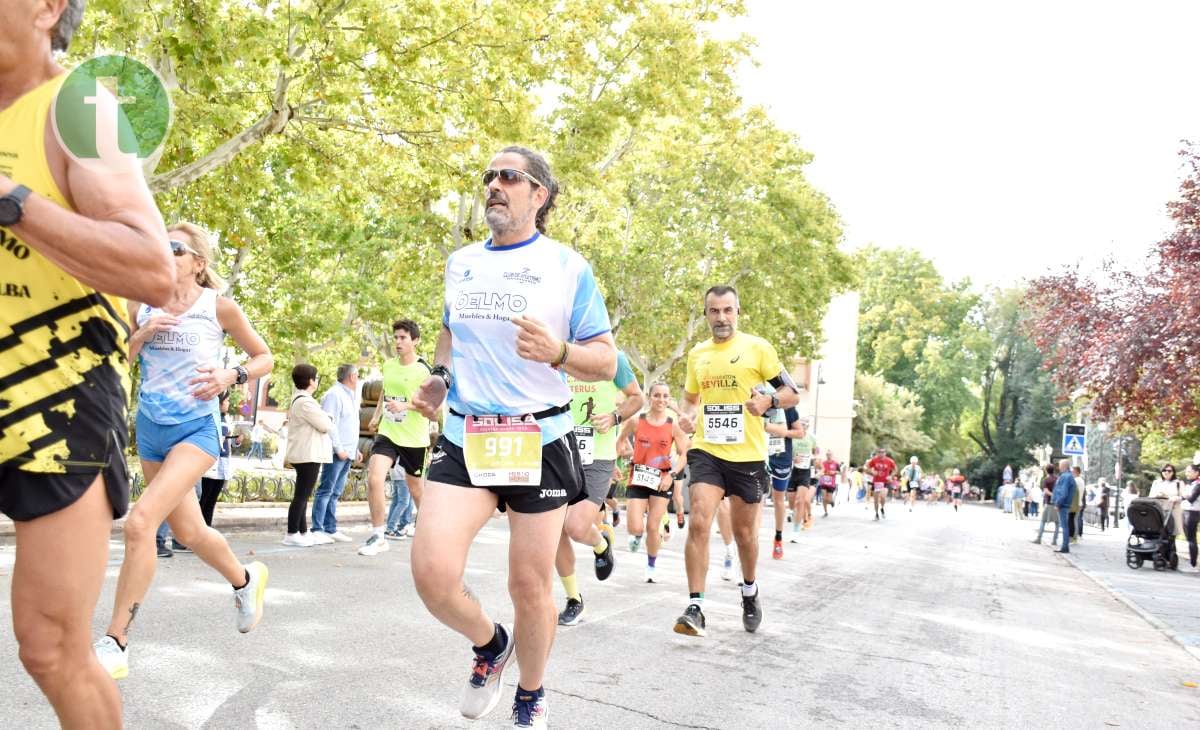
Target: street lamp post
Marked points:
1117	473
817	400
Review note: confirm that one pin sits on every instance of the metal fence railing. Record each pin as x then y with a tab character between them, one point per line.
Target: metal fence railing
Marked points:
245	487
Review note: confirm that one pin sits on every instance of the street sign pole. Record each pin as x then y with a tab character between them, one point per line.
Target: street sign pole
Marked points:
1074	439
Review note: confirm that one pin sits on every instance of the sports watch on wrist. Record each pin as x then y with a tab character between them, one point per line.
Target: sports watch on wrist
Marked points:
441	371
242	375
12	206
774	401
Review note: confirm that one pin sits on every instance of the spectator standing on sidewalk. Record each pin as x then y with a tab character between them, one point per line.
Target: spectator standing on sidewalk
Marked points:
1191	510
307	449
1049	511
1033	492
1018	500
1066	493
257	434
1168	487
1105	492
213	482
341	403
400	515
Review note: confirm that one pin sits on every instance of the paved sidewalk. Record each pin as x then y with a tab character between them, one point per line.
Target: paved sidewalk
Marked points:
1169	600
262	516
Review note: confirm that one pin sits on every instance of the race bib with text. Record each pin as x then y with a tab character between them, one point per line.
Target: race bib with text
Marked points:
724	424
646	476
585	439
503	450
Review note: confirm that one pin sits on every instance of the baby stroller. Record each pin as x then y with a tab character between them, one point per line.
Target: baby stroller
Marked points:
1153	534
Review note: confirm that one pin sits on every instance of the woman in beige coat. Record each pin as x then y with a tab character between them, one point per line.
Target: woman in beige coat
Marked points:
309	445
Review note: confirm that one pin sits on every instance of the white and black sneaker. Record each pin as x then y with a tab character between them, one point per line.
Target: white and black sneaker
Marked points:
691	622
374	545
571	614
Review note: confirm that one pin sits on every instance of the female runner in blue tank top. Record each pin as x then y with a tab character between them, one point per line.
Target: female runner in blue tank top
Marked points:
178	434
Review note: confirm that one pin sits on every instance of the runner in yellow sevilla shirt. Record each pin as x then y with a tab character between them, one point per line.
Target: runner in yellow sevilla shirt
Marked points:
729	453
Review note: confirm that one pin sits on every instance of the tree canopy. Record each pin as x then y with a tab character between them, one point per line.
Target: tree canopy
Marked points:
1126	341
335	147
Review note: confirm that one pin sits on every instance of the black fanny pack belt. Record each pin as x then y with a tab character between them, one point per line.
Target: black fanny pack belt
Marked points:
549	412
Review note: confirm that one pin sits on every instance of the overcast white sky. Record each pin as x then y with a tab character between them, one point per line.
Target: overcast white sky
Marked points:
1001	139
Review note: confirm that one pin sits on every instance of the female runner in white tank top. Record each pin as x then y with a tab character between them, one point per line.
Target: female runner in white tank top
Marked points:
178	434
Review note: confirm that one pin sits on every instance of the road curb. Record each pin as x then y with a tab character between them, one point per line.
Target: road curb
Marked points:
1150	618
268	515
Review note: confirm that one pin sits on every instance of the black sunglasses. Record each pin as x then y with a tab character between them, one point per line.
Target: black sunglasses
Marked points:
509	176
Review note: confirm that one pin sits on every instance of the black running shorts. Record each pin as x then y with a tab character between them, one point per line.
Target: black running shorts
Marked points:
632	492
801	478
411	458
562	476
746	480
26	495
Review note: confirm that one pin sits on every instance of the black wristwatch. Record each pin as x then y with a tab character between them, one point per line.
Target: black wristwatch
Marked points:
12	206
242	375
442	372
774	401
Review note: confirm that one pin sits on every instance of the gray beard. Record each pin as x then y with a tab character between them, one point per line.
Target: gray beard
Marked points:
501	221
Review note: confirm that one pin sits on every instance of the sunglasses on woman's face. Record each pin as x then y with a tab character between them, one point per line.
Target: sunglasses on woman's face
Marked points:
179	248
1168	471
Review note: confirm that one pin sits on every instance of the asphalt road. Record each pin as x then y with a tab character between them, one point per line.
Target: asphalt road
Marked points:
930	619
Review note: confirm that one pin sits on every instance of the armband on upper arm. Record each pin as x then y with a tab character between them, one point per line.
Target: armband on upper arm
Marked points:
783	379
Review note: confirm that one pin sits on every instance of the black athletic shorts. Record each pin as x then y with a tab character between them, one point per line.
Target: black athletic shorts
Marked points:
744	479
28	495
562	476
801	478
612	490
632	492
412	458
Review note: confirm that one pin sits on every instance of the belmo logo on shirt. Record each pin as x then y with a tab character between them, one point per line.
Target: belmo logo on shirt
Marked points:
110	109
490	301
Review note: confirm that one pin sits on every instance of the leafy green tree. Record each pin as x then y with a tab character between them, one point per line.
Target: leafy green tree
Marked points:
889	416
1019	410
335	146
924	334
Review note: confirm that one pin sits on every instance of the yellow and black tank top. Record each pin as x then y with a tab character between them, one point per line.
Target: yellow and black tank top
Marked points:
64	374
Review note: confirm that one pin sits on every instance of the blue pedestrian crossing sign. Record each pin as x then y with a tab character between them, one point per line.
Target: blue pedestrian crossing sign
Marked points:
1074	441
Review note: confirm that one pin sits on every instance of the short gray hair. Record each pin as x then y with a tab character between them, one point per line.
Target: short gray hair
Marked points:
346	370
68	23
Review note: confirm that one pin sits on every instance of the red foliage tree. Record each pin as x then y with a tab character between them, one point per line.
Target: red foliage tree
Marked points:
1131	343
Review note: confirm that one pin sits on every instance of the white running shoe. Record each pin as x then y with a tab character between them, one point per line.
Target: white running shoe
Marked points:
727	568
482	692
321	538
340	536
374	545
114	659
248	600
635	543
411	529
650	574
